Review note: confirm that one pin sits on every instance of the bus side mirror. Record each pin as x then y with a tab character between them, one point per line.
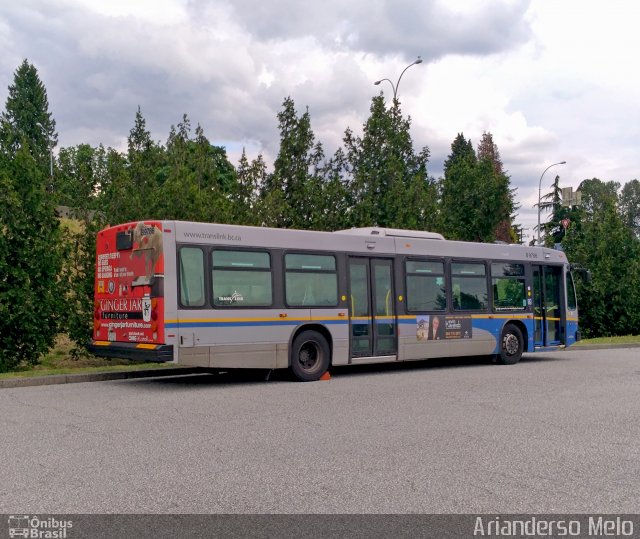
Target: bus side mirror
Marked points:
584	273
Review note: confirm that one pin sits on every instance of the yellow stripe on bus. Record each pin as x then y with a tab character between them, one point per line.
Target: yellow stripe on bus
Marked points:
254	319
147	346
501	316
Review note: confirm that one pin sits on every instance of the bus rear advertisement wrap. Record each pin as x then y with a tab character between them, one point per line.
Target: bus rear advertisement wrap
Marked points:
129	290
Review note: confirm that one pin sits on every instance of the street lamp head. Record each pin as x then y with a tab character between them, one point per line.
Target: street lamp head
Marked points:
418	61
377	82
563	162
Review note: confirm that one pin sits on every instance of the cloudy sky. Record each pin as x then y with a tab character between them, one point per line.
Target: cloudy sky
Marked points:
551	80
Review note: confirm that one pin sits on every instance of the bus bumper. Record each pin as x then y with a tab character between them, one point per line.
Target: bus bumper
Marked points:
158	353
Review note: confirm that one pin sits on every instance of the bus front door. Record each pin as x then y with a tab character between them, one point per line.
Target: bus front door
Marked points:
372	308
547	287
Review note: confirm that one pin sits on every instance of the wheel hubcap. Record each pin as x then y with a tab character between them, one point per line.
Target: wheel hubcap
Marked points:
308	356
510	344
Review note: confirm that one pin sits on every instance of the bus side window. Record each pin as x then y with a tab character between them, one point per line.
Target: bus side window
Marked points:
469	286
426	289
241	278
192	277
310	280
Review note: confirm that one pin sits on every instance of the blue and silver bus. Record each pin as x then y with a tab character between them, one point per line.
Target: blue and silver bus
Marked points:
226	296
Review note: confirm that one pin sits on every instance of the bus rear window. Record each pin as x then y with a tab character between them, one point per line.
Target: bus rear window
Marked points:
124	241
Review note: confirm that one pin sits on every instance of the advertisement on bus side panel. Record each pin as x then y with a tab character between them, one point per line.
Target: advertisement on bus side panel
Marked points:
433	327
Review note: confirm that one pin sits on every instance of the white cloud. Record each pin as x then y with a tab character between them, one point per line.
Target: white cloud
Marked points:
552	81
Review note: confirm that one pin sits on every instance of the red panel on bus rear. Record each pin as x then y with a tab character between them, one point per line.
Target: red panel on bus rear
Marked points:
129	284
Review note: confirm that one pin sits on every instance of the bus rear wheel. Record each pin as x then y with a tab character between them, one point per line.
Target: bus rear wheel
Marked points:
310	355
511	345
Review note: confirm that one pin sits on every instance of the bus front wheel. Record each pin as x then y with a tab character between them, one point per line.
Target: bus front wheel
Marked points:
310	356
511	345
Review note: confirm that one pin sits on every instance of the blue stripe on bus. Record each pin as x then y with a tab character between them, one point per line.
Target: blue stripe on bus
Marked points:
487	324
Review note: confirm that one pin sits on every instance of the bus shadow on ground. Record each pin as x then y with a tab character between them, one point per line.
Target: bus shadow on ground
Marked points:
468	362
231	377
417	365
212	377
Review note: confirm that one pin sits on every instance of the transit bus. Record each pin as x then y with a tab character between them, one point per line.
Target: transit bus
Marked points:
226	297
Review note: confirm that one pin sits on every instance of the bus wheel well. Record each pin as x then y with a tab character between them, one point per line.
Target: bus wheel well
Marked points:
523	330
322	330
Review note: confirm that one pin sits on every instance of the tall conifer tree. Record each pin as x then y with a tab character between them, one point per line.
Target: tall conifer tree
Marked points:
31	299
290	193
26	118
388	180
504	195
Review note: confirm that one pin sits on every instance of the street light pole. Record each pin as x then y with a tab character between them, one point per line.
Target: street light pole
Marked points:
395	86
539	193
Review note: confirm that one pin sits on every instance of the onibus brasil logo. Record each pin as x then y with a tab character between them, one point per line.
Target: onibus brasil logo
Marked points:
38	528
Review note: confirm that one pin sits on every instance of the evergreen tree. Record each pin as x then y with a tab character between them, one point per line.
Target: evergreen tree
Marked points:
30	254
31	300
114	197
599	241
78	275
144	159
505	195
181	194
245	204
553	230
630	206
131	183
79	175
460	197
197	180
290	194
476	198
336	210
26	121
215	176
388	182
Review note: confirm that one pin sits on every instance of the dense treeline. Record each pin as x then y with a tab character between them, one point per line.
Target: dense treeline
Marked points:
375	179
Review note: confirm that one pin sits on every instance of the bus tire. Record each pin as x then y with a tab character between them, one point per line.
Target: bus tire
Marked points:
310	356
511	345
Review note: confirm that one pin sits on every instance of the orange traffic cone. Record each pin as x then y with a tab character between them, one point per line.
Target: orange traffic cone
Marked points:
326	376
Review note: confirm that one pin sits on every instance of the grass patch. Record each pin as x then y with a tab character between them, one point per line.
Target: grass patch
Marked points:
79	370
627	339
61	361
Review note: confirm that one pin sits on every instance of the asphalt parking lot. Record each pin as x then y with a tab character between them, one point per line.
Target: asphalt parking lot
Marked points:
557	433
